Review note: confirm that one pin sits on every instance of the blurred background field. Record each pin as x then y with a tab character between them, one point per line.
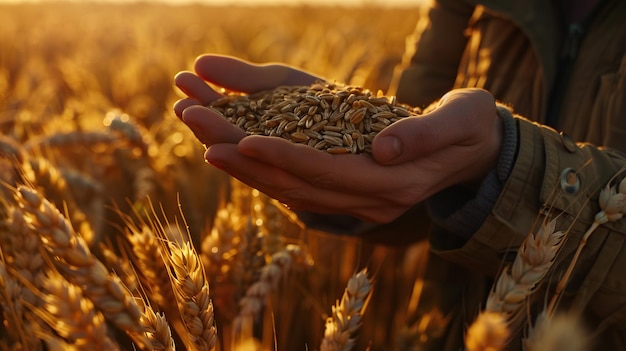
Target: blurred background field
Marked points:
86	95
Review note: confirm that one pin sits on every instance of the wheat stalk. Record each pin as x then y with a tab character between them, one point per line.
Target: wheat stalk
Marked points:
612	201
347	314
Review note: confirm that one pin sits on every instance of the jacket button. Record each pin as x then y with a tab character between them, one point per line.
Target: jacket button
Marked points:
570	181
568	143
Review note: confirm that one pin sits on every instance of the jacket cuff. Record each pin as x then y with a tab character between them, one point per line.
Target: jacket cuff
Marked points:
462	212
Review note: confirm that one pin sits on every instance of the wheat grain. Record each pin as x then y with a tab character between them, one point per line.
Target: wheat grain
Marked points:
337	115
347	314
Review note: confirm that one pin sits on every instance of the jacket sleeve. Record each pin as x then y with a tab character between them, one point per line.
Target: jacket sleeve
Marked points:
430	62
538	186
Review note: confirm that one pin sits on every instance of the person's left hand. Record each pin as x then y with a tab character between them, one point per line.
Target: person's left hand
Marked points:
458	142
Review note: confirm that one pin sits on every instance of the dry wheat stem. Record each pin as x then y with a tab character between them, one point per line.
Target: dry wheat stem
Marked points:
612	201
347	314
77	264
338	119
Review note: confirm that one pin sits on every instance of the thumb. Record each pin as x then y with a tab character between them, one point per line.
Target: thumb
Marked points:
455	121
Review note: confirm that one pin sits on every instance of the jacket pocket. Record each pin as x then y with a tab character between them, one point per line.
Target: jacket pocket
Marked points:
610	107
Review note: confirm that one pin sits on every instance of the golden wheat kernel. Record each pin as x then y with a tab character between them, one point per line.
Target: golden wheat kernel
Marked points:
339	150
333	140
322	144
332	128
299	137
344	107
334	134
347	140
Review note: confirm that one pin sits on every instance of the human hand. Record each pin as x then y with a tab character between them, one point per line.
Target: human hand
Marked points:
458	142
231	74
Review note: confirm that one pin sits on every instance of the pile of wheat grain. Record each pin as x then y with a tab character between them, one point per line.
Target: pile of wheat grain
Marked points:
336	118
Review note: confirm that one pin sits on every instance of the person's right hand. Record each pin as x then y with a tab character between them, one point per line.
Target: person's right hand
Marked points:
229	74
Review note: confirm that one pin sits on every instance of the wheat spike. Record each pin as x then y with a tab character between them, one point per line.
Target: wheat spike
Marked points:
72	315
251	304
556	333
490	332
77	264
147	258
534	259
192	292
515	283
158	330
347	314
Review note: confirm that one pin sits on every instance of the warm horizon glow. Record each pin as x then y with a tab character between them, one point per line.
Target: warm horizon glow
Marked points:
244	2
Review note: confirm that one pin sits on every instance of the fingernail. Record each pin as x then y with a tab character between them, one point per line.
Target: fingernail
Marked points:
389	147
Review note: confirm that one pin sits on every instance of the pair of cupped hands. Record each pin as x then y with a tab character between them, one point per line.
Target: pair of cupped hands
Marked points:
456	143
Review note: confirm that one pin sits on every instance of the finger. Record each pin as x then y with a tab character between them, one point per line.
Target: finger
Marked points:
196	88
182	104
287	188
455	122
211	127
345	173
242	76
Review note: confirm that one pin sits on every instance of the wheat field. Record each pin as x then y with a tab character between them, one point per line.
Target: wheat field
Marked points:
94	163
116	235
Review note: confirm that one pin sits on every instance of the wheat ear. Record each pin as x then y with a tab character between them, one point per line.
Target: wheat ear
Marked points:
192	292
77	264
490	331
158	331
256	295
534	259
347	314
556	333
612	201
13	310
72	315
515	283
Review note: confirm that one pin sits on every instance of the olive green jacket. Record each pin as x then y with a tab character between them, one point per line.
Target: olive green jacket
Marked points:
512	49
